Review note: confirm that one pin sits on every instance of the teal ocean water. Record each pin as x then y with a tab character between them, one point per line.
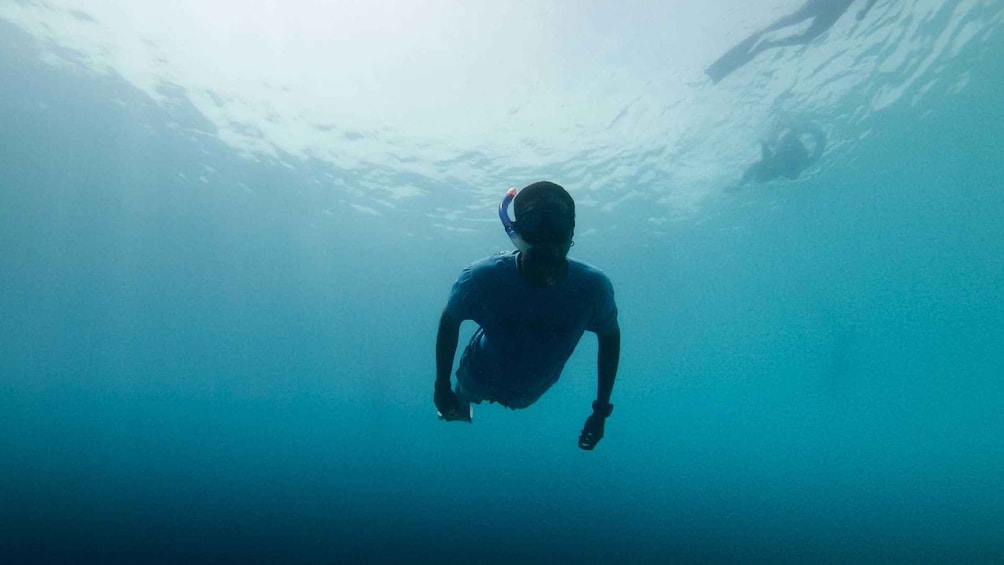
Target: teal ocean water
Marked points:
220	284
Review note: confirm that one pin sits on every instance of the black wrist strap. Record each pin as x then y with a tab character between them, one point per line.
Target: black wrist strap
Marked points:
603	410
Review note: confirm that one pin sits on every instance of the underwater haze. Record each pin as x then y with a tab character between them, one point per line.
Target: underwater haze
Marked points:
227	232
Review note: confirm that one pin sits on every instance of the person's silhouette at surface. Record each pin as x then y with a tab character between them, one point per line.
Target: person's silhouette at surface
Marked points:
823	13
789	157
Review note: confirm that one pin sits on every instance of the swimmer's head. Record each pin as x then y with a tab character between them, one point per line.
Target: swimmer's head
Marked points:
545	214
545	222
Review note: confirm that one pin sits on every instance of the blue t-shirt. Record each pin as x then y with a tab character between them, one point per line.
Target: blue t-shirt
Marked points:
527	332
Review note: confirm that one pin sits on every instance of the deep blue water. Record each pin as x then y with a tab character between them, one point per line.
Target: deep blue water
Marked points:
204	372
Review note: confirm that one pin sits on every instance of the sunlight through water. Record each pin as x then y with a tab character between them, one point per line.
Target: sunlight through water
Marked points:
469	94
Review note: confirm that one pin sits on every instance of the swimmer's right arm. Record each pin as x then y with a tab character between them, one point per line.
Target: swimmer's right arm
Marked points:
446	346
446	349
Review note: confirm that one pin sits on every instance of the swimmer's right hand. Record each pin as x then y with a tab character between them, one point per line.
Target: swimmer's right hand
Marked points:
449	406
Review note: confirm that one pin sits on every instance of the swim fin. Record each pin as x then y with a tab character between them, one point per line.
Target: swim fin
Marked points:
734	58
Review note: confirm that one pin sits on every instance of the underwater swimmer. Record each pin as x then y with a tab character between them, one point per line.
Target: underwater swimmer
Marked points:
789	157
532	305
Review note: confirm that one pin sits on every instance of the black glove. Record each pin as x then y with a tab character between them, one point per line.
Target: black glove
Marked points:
449	406
592	431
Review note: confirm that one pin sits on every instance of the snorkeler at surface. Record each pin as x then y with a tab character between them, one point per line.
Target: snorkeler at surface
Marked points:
823	13
532	306
789	157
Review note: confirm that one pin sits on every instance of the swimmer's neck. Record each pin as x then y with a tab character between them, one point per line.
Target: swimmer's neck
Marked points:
541	274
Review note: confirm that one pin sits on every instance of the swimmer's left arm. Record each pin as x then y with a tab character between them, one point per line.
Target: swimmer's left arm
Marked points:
607	359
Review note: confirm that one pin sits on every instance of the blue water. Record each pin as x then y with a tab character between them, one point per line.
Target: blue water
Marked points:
213	370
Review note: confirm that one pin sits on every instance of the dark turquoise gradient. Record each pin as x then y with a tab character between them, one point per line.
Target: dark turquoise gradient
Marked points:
218	372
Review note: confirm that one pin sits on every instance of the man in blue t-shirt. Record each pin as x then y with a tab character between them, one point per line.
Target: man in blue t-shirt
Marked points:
532	306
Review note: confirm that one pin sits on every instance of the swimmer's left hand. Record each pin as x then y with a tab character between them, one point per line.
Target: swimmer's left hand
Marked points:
592	432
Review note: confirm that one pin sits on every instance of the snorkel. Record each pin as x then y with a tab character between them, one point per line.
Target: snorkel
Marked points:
548	225
507	223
